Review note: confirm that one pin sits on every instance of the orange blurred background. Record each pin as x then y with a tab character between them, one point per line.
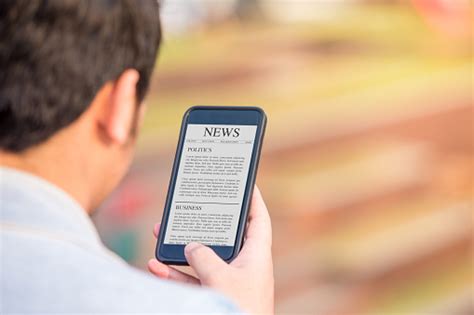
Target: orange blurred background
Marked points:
367	162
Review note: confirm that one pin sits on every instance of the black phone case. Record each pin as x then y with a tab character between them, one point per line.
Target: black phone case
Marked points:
248	190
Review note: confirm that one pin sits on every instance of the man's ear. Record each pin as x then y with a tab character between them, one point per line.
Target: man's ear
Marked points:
117	116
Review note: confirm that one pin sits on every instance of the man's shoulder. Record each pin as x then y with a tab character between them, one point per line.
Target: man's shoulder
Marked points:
46	274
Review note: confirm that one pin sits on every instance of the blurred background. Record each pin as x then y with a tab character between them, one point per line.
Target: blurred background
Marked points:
367	165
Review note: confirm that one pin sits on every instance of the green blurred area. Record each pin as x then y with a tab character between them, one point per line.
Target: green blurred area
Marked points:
304	66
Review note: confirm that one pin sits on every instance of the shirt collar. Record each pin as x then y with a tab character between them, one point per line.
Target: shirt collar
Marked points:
28	201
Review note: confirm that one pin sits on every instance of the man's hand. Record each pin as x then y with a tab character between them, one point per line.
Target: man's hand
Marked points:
248	279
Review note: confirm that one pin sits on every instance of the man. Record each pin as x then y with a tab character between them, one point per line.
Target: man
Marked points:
73	77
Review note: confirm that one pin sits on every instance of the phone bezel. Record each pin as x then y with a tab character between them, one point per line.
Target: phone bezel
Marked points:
231	115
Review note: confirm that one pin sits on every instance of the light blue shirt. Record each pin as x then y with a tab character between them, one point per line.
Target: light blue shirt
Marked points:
52	261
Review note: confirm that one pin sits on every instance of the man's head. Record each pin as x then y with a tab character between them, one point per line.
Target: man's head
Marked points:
73	76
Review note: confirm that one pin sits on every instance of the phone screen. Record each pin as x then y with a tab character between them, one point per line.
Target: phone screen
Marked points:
210	184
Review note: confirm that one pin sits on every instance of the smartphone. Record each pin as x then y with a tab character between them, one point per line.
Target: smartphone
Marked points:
212	181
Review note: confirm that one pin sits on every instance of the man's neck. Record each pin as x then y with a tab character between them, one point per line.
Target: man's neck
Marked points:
57	168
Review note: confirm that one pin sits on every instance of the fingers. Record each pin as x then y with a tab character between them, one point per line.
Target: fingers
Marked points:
166	272
259	226
169	273
204	261
156	229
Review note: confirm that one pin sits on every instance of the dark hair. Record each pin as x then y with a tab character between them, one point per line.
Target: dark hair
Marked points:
55	56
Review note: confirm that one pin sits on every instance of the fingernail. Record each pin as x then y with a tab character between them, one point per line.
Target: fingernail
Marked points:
191	247
157	269
152	263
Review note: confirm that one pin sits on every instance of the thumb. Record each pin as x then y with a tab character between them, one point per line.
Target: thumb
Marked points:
203	260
